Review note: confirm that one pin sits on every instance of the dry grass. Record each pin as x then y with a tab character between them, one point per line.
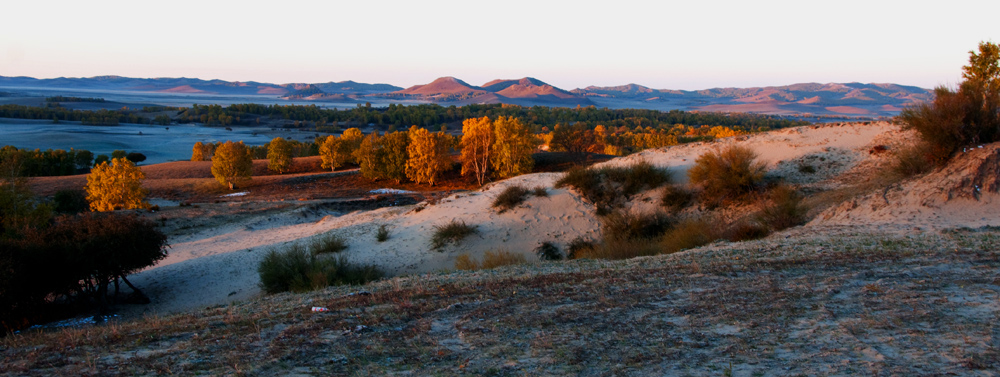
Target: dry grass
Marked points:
491	259
791	307
452	232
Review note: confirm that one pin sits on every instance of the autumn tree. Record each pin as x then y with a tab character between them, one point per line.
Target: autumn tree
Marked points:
429	156
231	164
197	152
279	155
513	145
367	155
115	186
477	146
338	151
393	156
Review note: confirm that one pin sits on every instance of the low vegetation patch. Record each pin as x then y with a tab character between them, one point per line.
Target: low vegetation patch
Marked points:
633	225
510	197
610	187
327	244
784	209
675	197
451	232
382	234
688	234
548	251
491	259
727	175
297	269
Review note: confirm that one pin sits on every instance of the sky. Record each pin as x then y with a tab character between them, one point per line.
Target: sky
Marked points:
684	45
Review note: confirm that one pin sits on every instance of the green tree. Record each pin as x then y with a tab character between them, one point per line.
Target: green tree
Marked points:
118	153
279	155
231	164
513	145
392	162
18	207
116	186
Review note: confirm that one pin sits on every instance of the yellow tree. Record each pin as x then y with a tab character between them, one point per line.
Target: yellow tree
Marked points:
116	186
279	155
512	148
477	146
231	164
328	153
197	153
429	156
368	156
338	151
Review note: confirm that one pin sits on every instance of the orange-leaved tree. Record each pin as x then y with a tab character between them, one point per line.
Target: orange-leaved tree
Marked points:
231	164
477	147
117	185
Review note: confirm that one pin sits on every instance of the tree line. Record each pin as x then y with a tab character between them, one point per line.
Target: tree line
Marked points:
56	114
56	162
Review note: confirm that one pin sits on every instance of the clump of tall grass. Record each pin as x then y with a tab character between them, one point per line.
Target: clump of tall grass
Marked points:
728	174
451	232
675	198
784	209
634	225
510	197
610	187
382	234
327	244
688	234
297	269
491	259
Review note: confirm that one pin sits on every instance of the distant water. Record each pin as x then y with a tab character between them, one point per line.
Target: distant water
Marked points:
158	143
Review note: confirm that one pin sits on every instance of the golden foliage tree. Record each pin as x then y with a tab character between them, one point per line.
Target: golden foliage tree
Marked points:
279	155
339	151
392	164
116	186
197	152
512	148
429	155
367	155
232	164
477	147
328	149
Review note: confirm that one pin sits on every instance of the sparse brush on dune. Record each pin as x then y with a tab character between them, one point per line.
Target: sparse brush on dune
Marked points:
689	234
298	270
510	197
451	232
610	187
548	251
491	259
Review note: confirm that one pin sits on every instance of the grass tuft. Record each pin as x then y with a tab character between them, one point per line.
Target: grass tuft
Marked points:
577	246
689	234
510	197
298	270
676	198
540	192
382	234
327	244
491	259
453	232
633	225
784	211
728	174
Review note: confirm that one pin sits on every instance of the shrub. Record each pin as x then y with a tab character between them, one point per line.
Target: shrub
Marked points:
727	174
299	270
577	247
615	248
630	225
327	244
382	234
913	160
71	201
689	234
454	231
540	192
491	259
675	197
745	230
548	251
784	211
610	187
807	169
510	197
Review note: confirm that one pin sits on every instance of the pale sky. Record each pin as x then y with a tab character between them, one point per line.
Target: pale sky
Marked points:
570	44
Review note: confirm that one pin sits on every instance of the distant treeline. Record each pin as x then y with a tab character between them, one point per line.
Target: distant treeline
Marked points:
56	114
431	115
39	163
73	99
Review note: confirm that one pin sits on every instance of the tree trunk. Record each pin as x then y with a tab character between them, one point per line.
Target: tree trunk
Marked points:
140	297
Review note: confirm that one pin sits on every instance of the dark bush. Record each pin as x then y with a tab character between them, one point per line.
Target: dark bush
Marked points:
71	201
327	244
746	230
913	160
382	234
676	198
728	174
689	234
548	251
510	197
611	187
298	270
784	210
453	232
577	247
135	157
628	225
615	248
540	192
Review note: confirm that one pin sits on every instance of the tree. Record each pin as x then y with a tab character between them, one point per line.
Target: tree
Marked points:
231	164
197	152
279	155
116	186
329	150
393	156
513	145
135	157
368	157
477	146
118	153
84	159
18	207
429	156
101	158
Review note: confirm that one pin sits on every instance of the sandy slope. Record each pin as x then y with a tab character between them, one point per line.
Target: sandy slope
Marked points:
217	265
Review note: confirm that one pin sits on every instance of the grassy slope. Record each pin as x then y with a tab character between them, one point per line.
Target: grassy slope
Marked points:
843	302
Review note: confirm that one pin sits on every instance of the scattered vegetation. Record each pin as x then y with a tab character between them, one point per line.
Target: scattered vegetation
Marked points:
727	175
327	244
675	197
630	225
784	209
382	234
454	231
70	201
548	251
689	233
610	187
297	269
491	259
958	118
574	248
510	197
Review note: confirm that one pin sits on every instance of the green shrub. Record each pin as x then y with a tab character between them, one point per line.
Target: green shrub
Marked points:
327	244
548	251
453	232
510	197
728	174
676	198
785	209
689	234
382	234
298	270
630	225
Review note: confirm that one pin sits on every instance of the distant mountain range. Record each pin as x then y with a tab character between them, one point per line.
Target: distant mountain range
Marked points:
848	99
